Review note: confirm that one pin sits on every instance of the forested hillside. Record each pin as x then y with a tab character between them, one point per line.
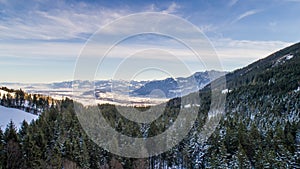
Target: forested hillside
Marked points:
260	128
31	103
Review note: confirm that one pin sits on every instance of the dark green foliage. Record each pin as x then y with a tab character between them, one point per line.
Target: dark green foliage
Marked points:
12	151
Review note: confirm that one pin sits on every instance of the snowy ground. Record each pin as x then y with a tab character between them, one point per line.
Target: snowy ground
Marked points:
16	115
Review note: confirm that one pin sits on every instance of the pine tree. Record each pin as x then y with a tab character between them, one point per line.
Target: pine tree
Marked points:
12	150
9	100
97	156
280	150
34	104
23	136
289	137
54	157
34	147
22	97
222	156
243	161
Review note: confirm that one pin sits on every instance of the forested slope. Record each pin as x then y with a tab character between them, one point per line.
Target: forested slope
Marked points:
260	127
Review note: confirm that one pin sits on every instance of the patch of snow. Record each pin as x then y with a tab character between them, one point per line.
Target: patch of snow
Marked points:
288	57
248	70
226	91
187	106
196	105
2	92
297	90
252	117
282	59
26	104
16	115
190	105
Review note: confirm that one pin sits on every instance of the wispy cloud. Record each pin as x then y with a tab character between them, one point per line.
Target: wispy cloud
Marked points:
171	9
65	22
227	49
237	53
232	2
57	23
55	31
246	14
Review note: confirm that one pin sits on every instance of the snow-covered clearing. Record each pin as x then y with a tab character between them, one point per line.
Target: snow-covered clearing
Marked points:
16	115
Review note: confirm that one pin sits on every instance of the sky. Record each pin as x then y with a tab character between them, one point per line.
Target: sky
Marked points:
41	40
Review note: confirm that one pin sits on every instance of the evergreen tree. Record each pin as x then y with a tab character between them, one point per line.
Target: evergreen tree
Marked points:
12	150
34	147
243	161
23	136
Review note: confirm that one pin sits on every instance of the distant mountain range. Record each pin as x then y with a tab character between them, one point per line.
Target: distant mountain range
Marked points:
117	91
180	86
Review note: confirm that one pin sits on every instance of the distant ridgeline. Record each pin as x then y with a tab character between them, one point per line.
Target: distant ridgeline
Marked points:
31	103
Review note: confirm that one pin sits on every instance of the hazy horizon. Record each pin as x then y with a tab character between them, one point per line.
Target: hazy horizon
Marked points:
68	80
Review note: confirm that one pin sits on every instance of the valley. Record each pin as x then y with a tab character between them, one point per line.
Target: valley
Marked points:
120	92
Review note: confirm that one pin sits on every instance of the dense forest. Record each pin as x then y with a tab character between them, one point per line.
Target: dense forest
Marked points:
260	127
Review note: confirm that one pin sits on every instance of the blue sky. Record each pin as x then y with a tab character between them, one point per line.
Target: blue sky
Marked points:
41	40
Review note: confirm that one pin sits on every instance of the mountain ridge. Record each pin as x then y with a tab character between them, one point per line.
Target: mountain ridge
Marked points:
257	67
180	86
